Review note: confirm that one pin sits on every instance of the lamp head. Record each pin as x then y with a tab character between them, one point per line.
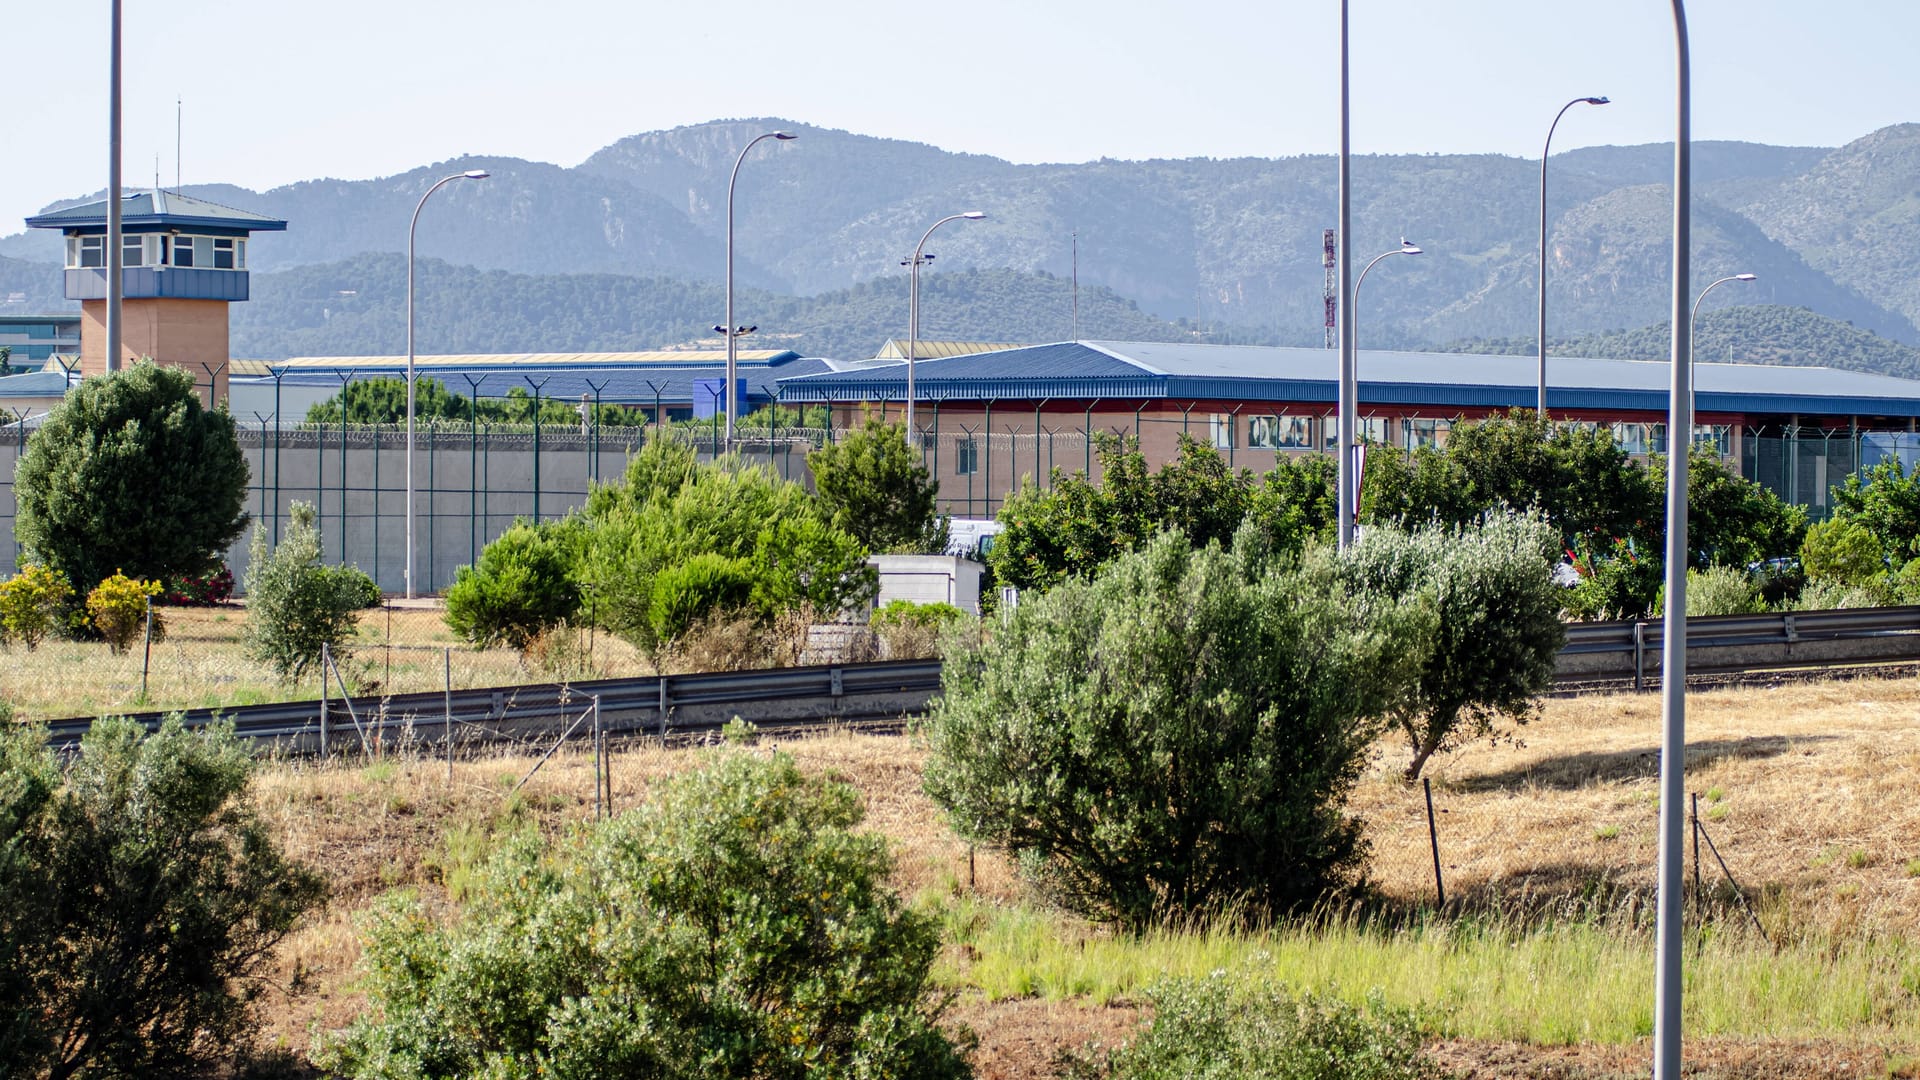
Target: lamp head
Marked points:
785	136
1746	277
476	174
1598	101
974	215
1407	247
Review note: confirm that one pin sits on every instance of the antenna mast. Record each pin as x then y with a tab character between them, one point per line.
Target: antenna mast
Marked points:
1076	284
176	145
1329	260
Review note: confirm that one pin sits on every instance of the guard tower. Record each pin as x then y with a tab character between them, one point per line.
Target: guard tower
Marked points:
184	261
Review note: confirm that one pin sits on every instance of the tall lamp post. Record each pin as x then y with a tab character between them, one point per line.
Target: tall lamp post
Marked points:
1673	649
1693	321
1351	509
1345	483
913	309
412	227
732	330
1545	151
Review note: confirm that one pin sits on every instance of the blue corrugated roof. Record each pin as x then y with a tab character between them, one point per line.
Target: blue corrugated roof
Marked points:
1114	369
157	208
631	384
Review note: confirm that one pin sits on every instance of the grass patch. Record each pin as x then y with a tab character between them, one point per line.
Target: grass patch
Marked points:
1557	983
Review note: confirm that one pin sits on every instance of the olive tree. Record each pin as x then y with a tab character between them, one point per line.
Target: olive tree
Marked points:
1176	735
141	899
1498	628
131	473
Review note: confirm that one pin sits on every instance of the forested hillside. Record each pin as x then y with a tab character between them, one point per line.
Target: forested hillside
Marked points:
1769	334
358	307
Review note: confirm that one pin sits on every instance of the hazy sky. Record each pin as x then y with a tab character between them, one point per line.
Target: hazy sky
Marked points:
276	92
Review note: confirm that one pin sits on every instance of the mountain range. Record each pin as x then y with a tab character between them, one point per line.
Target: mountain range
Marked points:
626	249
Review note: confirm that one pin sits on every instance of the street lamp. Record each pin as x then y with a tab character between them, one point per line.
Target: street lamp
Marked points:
1350	508
1544	152
1692	321
1668	926
470	174
913	308
732	330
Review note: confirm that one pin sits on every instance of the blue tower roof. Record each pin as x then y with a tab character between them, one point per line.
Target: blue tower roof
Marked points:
146	211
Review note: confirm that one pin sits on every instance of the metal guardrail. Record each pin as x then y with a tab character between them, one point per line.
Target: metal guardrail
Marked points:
1605	652
661	705
1743	644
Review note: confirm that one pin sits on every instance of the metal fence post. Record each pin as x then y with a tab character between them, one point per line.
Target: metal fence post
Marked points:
146	657
326	662
1433	837
446	657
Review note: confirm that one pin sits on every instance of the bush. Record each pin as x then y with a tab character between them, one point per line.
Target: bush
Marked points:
295	606
1217	1029
686	592
130	471
1722	590
33	603
203	590
1176	736
876	487
736	926
140	902
1490	586
743	524
910	631
1843	551
521	588
1619	584
119	607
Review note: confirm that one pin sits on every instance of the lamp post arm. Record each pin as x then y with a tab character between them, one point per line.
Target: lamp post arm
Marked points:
913	315
730	328
1541	341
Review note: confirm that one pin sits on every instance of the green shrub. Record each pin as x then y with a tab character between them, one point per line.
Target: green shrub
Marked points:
1618	582
1722	590
1177	735
33	603
1222	1029
910	631
736	926
1498	632
521	588
131	471
686	592
876	487
141	900
1843	551
296	606
668	512
119	608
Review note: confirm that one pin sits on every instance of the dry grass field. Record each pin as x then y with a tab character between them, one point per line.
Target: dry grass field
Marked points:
1807	789
404	647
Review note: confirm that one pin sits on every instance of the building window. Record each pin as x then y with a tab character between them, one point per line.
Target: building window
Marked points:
1717	436
239	254
223	253
1222	429
1641	438
1432	433
133	251
1369	429
86	252
966	456
183	251
1280	432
